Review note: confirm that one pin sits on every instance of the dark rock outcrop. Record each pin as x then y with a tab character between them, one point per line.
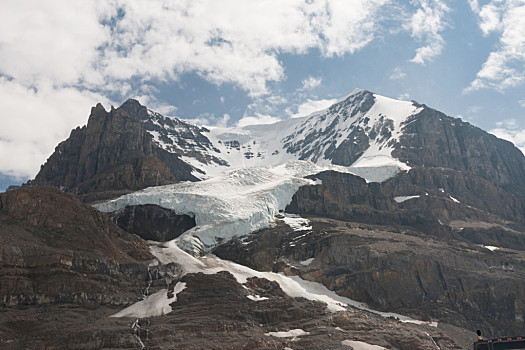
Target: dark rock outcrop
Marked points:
152	222
112	155
223	317
56	250
344	196
432	139
397	270
442	202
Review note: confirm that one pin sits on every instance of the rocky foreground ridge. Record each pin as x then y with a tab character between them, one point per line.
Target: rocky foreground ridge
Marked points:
65	269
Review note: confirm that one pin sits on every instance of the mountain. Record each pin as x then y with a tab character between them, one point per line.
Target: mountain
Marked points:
126	149
113	154
385	214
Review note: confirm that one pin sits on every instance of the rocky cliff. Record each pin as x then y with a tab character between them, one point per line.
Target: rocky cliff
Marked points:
113	154
399	269
432	139
65	268
56	249
152	222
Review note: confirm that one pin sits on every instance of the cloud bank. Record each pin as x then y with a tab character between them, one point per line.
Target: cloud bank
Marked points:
505	66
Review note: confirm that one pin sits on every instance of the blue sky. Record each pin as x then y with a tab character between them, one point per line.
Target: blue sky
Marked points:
236	62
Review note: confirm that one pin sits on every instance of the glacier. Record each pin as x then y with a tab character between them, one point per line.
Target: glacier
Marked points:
232	204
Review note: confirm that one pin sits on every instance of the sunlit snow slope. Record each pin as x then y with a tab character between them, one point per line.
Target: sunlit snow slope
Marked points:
360	130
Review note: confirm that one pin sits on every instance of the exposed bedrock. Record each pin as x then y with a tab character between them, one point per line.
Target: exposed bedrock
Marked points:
152	222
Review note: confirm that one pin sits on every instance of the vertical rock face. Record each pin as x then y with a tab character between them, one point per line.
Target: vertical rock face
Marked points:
344	196
152	222
111	155
431	139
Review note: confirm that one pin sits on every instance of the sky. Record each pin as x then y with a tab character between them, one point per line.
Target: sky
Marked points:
241	62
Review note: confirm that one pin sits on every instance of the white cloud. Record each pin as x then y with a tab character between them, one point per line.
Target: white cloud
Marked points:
509	130
54	41
508	124
405	96
35	120
101	43
209	119
311	83
426	26
232	41
58	58
396	74
154	104
311	106
522	103
257	119
504	67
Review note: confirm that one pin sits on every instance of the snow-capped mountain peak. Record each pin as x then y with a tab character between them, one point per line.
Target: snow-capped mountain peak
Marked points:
360	130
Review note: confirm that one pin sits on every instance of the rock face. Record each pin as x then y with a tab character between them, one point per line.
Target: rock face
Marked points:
152	222
432	139
434	200
223	317
48	237
64	268
397	270
112	155
443	273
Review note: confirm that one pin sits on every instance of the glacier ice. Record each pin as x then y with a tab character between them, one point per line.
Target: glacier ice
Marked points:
230	205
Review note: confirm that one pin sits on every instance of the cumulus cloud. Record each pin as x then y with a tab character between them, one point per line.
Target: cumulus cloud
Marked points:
426	26
509	130
84	51
504	67
311	106
35	120
210	119
256	120
397	74
311	83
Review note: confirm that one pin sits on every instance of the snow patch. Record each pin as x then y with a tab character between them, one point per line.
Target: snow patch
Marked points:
454	199
385	109
157	304
293	286
307	262
296	222
401	199
293	333
491	247
359	345
256	298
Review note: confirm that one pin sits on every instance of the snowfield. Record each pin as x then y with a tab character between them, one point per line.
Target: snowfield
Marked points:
311	138
154	305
